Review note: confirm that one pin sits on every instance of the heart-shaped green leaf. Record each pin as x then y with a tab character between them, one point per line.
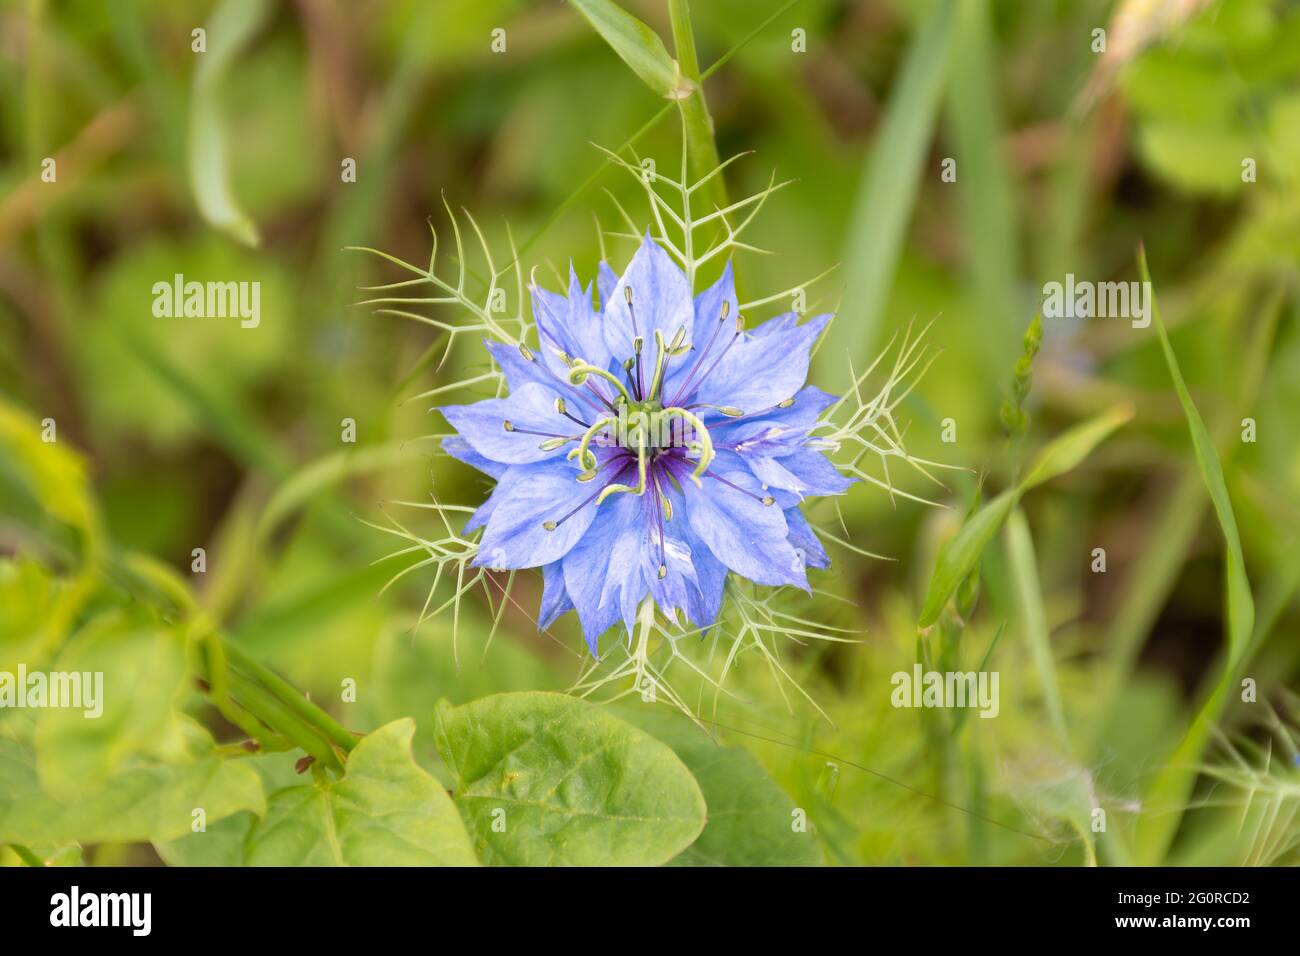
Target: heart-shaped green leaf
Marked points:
386	811
751	819
545	779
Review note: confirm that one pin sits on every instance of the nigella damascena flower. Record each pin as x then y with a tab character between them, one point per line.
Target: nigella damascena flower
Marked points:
649	448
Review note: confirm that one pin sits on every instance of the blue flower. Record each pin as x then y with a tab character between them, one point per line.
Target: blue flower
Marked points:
649	448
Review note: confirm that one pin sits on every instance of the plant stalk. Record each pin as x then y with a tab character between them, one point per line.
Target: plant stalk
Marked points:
701	150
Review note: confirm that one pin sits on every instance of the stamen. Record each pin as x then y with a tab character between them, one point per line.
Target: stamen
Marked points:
703	440
660	501
585	458
722	317
639	487
563	410
627	371
740	327
762	411
762	499
636	340
661	363
510	427
552	525
581	371
527	353
729	410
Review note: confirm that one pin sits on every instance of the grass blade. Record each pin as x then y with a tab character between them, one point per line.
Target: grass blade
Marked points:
959	556
1024	572
636	45
231	26
1173	785
985	189
880	217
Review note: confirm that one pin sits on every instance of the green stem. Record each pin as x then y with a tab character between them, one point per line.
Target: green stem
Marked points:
288	695
274	713
702	151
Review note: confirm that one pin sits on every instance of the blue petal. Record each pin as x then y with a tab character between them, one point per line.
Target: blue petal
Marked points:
519	372
710	328
555	599
805	541
531	408
706	578
625	579
743	533
776	326
807	407
606	280
526	497
585	325
757	373
458	448
661	300
551	316
801	473
816	473
588	569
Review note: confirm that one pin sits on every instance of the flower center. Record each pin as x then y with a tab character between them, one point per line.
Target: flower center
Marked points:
654	437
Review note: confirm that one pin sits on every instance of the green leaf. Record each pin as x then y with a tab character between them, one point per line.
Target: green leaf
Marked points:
961	553
1067	450
546	779
46	472
145	801
232	25
1173	785
881	214
636	44
1023	566
30	597
386	811
222	842
135	669
749	816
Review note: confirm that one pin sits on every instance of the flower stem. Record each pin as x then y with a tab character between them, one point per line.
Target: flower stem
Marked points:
645	621
287	694
275	714
702	151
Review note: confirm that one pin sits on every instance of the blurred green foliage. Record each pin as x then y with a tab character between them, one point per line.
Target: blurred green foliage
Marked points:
176	434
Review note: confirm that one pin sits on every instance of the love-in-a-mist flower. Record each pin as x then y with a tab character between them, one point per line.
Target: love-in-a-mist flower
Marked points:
649	448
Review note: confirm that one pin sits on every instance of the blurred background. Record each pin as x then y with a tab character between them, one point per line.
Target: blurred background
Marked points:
195	433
